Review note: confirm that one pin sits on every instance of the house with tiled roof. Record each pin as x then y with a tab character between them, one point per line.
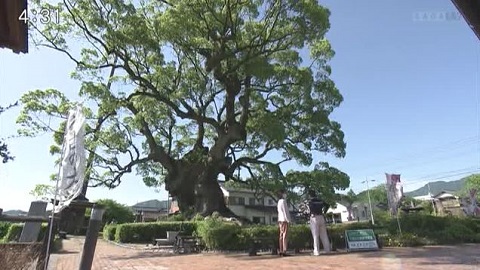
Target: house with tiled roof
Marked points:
150	210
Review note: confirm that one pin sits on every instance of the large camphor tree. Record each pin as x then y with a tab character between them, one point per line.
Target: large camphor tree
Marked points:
183	91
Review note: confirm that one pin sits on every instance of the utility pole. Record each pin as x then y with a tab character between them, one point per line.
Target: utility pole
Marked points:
430	195
369	200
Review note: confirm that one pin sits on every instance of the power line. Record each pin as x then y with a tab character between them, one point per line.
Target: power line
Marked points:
442	175
433	161
425	153
438	148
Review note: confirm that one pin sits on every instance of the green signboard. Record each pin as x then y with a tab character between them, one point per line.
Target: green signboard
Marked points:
361	240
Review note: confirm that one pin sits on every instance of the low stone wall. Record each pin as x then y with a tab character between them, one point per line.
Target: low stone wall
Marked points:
24	256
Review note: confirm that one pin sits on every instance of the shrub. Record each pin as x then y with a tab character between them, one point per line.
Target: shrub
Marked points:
248	233
404	240
300	236
219	235
438	230
109	232
147	232
176	217
15	230
418	224
114	212
382	218
4	226
260	231
458	233
198	217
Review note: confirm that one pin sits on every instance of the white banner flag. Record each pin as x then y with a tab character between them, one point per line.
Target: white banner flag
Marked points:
72	170
394	192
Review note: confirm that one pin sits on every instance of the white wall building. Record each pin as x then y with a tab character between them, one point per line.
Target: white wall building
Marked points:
428	197
338	214
243	203
361	211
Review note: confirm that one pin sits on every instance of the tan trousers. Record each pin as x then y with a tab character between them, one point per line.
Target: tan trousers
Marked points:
282	239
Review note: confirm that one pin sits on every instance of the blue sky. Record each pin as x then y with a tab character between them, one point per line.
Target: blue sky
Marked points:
411	90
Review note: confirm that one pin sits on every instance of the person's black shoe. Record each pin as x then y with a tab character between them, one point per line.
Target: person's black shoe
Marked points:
286	255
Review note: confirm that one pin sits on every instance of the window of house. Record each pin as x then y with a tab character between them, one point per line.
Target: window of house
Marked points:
274	219
270	202
258	220
241	201
236	201
251	201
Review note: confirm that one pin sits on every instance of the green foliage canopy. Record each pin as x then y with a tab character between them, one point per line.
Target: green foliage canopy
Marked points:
184	85
114	212
5	154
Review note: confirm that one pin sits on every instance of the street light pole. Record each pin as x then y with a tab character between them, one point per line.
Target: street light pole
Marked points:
369	200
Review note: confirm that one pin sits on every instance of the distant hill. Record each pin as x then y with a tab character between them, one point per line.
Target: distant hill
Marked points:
437	187
15	213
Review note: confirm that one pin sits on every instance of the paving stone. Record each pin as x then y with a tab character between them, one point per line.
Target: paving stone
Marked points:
113	257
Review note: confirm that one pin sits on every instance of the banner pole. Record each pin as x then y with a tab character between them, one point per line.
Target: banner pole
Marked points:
398	223
50	229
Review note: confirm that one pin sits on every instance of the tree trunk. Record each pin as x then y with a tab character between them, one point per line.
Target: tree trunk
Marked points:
349	210
196	188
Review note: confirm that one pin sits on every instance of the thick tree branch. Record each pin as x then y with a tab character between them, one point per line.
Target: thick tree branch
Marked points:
118	172
254	160
190	114
157	152
245	102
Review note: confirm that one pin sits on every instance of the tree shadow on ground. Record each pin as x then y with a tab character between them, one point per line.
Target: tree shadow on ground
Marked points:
266	256
141	255
66	252
246	257
432	255
237	256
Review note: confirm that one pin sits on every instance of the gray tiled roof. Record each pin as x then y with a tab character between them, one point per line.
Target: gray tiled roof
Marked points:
151	204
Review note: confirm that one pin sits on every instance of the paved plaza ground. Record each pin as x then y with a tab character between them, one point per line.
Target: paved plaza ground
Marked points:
112	257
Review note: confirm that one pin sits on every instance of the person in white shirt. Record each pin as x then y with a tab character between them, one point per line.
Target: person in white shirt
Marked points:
283	221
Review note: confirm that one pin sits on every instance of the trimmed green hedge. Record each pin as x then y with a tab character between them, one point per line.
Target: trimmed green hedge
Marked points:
220	235
15	230
421	229
147	232
109	232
